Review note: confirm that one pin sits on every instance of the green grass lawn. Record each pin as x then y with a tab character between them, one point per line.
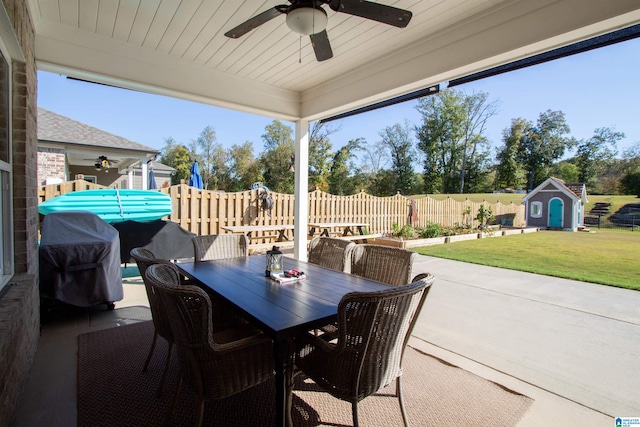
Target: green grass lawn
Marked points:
616	202
605	257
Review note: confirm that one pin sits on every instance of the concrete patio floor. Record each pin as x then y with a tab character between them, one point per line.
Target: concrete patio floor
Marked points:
573	347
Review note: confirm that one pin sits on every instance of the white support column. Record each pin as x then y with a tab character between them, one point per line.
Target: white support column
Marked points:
301	211
130	178
145	173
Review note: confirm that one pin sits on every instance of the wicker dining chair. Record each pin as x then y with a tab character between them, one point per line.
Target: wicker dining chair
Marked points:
330	252
220	246
214	365
212	247
144	259
383	263
365	354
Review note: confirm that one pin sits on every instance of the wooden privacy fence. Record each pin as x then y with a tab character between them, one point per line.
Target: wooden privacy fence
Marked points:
205	212
52	190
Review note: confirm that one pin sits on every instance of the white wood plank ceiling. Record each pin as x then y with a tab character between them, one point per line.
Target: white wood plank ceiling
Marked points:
178	47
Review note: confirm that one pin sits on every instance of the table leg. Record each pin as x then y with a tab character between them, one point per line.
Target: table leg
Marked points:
283	353
282	235
361	232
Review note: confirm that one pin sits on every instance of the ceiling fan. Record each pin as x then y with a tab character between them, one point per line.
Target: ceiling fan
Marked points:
307	17
103	163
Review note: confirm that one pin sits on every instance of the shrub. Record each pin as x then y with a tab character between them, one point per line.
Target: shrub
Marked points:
484	216
431	230
434	229
405	232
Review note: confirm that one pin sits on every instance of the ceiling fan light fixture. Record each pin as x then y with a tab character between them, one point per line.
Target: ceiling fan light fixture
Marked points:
307	20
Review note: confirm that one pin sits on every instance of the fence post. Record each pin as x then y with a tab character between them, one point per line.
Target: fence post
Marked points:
599	220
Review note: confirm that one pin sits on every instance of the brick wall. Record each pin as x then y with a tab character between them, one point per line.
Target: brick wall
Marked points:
19	316
19	302
50	164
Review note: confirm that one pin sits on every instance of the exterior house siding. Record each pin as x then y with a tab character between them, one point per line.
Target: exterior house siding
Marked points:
19	300
545	197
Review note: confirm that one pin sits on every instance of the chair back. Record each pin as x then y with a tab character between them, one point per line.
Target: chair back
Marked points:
189	309
330	252
213	365
220	246
144	259
382	263
374	328
188	306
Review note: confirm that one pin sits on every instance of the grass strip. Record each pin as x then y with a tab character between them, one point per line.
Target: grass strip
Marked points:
604	257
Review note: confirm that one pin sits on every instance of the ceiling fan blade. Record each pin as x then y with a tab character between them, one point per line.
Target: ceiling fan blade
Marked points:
252	23
321	45
378	12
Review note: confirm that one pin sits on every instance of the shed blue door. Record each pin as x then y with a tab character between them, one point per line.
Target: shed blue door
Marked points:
555	213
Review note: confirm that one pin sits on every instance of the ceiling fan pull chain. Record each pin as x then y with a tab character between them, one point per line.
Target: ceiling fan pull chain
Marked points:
300	51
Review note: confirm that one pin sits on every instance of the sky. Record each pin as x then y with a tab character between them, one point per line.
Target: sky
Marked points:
599	88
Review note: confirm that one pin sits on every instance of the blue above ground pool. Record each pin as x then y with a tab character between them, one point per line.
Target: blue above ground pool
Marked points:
112	204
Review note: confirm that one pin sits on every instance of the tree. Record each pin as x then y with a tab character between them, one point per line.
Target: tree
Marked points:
542	144
440	138
220	173
276	158
339	171
631	157
509	172
212	158
478	170
595	153
566	171
630	183
320	155
478	110
179	158
373	163
451	138
398	141
244	168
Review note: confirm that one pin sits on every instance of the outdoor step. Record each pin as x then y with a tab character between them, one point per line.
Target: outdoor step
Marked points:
590	220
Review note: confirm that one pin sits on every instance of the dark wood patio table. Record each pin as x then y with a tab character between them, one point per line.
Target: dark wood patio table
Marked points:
281	311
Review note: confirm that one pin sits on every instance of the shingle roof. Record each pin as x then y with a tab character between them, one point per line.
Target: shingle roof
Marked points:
56	128
157	166
575	187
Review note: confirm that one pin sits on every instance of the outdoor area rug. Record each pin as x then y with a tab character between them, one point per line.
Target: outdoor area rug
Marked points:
113	390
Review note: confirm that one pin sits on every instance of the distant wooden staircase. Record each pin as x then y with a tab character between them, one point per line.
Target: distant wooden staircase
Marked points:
598	210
